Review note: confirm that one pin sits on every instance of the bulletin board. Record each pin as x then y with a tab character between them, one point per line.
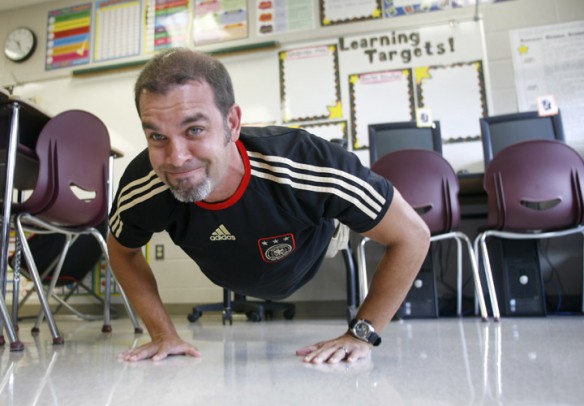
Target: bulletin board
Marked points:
379	97
449	89
450	79
309	83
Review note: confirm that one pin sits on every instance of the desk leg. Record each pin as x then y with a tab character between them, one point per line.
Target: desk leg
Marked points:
15	344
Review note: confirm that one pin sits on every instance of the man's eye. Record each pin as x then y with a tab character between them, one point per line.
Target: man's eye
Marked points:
156	137
195	130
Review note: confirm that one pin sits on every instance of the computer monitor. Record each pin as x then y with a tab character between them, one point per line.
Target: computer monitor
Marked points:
498	132
388	137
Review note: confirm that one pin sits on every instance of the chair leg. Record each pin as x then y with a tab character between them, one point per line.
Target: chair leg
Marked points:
459	277
351	285
481	239
582	272
477	279
106	316
362	267
6	321
15	343
16	282
57	339
54	279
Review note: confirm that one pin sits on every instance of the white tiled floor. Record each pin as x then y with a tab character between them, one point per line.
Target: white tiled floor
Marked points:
527	361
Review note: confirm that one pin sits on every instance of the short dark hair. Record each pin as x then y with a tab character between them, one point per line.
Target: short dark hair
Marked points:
178	66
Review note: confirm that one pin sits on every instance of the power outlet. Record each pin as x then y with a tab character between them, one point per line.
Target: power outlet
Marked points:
159	251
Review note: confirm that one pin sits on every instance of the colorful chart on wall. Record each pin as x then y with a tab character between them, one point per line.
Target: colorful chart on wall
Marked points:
329	131
309	84
273	17
117	29
467	3
166	24
449	89
347	11
219	20
396	8
379	97
68	37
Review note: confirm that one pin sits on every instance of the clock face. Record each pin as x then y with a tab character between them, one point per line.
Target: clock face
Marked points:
20	44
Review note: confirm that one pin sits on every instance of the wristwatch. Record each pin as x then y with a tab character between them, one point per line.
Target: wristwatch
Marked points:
363	330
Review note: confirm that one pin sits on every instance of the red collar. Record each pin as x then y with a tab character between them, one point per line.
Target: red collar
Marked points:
240	189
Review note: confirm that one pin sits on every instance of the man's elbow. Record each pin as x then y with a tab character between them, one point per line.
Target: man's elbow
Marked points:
420	237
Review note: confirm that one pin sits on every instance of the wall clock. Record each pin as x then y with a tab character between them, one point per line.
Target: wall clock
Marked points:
20	44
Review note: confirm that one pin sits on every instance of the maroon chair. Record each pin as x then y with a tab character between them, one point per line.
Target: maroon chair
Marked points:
534	191
71	196
429	184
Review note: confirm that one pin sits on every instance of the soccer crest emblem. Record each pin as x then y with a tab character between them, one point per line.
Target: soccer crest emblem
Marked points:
274	249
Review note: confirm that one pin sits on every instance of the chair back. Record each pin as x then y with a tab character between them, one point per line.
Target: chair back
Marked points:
427	182
73	149
535	186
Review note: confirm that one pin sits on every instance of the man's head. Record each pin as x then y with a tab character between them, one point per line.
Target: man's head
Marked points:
191	122
178	66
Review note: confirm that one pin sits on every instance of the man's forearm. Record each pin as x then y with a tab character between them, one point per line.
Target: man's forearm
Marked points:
137	279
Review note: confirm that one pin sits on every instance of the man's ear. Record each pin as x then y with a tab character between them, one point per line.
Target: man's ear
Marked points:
234	121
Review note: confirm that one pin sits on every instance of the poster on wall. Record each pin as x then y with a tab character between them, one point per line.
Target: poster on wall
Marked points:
466	3
379	97
309	83
68	37
396	8
117	29
166	24
549	60
348	11
274	17
448	90
219	20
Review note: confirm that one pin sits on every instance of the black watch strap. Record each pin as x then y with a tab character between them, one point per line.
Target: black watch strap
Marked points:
373	338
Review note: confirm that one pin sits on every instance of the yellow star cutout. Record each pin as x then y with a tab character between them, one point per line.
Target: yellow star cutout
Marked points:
523	49
354	79
376	13
422	73
335	111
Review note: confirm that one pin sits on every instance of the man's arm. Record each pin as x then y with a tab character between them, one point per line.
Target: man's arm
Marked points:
136	278
407	240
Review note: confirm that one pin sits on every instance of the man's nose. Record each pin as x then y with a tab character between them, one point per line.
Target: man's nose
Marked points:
176	152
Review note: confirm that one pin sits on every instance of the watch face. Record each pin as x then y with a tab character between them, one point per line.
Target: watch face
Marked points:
20	44
362	330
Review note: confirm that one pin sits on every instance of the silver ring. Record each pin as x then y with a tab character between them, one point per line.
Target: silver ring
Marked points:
346	352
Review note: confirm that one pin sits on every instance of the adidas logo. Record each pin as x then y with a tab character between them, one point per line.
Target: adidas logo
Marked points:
222	234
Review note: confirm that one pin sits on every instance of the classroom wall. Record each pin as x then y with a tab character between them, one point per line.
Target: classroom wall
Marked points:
109	96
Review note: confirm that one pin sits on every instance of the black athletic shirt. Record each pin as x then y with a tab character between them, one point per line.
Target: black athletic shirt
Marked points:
270	237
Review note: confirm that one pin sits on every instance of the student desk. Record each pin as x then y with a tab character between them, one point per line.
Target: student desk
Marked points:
20	125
